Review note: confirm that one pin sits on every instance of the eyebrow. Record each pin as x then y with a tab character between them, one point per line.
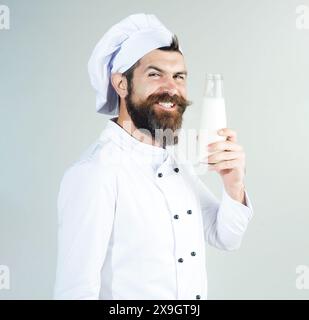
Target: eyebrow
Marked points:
184	72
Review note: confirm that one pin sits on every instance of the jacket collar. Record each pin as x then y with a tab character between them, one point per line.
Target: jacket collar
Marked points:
142	152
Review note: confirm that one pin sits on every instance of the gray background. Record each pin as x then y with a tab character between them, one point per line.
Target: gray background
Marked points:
47	114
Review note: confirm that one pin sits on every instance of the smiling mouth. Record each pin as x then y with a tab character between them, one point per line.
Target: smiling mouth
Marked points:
166	106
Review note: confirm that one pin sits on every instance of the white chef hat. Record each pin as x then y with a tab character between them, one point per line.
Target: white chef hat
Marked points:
119	49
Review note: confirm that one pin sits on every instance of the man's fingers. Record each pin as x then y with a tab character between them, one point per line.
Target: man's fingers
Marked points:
224	145
229	133
227	164
222	156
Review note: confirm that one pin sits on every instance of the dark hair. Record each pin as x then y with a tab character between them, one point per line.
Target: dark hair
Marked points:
174	46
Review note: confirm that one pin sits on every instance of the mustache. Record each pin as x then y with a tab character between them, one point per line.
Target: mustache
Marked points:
175	99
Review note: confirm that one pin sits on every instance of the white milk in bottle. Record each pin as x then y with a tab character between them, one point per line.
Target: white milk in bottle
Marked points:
213	115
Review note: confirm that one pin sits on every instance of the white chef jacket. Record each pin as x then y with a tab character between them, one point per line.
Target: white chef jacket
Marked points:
133	223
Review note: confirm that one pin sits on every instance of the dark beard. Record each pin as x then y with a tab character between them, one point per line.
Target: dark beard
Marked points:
160	124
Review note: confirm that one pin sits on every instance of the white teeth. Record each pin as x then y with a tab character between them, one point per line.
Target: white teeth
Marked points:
166	104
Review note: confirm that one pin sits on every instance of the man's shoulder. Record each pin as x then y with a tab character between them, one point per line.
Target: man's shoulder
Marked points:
102	153
96	164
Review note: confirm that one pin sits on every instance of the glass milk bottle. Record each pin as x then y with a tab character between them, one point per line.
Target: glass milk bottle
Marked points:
213	116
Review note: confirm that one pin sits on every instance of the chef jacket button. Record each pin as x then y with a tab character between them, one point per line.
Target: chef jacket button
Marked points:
176	169
180	260
160	175
189	211
193	253
176	216
198	297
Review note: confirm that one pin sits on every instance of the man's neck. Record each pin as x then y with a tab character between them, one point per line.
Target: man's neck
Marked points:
127	124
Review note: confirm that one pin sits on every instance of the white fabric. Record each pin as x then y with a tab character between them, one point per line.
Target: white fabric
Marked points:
118	237
120	47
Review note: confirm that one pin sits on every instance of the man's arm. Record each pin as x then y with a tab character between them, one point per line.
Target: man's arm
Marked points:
238	194
224	222
229	221
86	204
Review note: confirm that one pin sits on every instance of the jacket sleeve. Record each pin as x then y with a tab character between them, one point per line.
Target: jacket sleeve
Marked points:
224	222
86	205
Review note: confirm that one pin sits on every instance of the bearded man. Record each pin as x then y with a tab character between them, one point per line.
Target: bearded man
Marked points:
133	219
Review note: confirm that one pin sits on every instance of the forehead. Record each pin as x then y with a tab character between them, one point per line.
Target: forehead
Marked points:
170	61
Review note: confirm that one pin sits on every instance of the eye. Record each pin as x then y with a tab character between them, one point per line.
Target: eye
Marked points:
153	74
179	76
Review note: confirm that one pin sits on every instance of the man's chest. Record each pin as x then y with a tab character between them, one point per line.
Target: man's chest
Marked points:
160	211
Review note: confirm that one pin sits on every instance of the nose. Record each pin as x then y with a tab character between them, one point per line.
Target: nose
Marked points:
169	86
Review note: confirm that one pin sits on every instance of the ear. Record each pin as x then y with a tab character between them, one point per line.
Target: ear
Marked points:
120	84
